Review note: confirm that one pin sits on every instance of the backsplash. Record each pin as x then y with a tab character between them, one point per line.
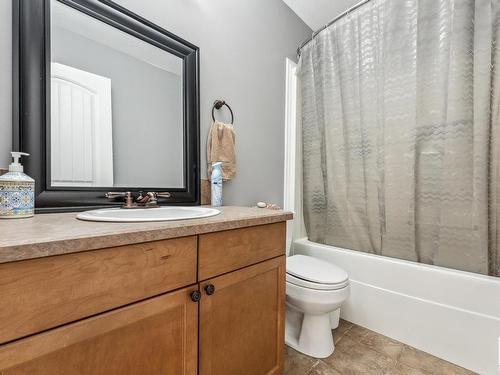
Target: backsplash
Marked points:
205	191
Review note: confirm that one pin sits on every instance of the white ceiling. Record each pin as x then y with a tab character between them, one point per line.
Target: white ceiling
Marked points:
317	13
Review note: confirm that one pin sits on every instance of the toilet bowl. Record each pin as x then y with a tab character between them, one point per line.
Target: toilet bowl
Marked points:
315	290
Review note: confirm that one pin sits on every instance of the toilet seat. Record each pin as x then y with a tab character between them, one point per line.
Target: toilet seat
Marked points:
312	285
313	273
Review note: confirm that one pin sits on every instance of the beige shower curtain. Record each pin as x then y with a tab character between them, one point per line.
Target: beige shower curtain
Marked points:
400	117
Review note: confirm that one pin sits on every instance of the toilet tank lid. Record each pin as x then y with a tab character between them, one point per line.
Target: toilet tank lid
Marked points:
315	270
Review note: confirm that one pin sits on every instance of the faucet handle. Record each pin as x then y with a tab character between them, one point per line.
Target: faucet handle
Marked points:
114	194
129	200
150	199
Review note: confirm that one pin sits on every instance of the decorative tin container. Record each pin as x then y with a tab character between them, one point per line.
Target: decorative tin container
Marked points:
17	192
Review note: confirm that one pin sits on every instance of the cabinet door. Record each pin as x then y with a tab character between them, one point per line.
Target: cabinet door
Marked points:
156	336
242	321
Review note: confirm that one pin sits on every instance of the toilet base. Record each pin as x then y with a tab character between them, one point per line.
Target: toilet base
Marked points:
334	319
309	334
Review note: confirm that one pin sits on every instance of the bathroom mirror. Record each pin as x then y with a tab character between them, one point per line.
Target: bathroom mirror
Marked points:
104	101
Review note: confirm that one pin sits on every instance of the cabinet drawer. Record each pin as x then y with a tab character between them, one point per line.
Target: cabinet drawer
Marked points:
222	252
43	293
156	336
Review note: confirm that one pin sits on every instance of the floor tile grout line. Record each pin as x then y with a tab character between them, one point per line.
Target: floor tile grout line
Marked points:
312	367
393	361
344	333
398	359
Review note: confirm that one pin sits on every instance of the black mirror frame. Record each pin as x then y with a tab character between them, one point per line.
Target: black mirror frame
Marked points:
31	104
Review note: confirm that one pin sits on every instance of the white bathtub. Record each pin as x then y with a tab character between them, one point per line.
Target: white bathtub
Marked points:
451	314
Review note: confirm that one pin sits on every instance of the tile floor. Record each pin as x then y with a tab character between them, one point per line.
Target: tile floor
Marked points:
361	351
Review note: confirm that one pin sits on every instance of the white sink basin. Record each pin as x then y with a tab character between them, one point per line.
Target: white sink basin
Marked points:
147	214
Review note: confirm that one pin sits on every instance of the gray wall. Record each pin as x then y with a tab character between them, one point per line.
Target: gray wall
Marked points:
5	82
146	110
243	48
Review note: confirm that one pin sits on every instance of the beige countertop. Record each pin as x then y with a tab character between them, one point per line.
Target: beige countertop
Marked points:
61	233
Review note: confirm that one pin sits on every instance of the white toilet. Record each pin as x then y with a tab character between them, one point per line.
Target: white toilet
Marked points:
315	290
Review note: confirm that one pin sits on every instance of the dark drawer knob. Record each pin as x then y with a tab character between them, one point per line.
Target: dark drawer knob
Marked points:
210	289
195	296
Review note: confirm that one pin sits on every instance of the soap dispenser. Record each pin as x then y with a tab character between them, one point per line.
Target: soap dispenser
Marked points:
17	191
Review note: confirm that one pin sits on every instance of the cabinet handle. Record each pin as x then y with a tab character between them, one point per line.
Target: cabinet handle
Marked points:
210	289
195	296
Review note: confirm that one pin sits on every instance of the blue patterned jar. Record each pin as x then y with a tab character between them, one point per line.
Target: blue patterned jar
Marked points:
17	192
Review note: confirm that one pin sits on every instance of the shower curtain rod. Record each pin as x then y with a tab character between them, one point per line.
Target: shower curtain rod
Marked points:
351	9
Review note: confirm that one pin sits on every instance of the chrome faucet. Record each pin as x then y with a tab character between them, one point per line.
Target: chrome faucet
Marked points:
149	200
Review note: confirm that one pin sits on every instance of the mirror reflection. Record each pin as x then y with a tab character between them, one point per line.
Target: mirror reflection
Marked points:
116	107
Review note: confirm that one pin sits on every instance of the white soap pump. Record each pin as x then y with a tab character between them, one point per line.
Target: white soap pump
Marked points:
17	191
15	166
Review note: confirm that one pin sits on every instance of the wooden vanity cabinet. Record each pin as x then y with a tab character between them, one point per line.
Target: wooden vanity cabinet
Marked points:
225	316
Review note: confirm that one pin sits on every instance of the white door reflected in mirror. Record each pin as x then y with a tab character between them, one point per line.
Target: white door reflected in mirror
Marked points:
81	128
